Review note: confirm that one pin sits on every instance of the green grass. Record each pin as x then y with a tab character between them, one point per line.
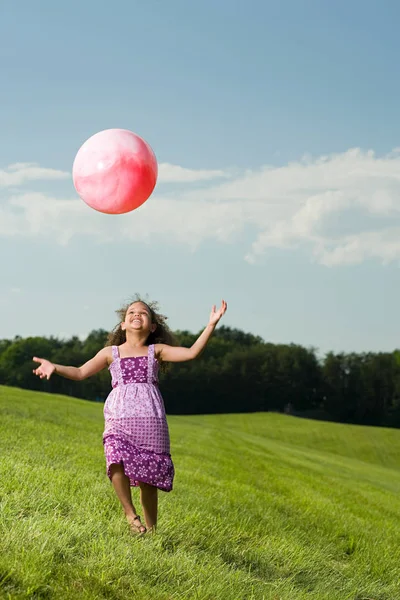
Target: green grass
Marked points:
265	506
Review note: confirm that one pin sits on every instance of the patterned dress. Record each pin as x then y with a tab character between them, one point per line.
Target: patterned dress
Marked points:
136	431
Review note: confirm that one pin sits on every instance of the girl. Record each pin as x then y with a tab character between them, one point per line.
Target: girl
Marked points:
136	436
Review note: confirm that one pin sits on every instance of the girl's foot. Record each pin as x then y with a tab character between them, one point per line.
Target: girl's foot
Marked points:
136	526
152	530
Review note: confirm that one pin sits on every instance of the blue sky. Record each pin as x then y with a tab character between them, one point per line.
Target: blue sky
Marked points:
276	130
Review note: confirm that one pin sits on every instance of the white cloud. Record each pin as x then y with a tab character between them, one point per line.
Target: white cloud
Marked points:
19	166
175	174
20	173
343	209
383	245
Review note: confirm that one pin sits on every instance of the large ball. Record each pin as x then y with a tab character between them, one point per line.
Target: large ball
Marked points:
115	171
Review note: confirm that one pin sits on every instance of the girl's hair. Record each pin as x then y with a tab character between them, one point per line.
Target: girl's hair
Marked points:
161	335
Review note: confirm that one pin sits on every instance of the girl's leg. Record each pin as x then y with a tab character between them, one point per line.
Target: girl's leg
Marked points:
122	488
149	501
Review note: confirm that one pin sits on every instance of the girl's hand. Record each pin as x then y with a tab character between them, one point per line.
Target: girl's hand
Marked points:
217	314
46	368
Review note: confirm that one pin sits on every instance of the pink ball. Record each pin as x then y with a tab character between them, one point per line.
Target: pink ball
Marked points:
115	171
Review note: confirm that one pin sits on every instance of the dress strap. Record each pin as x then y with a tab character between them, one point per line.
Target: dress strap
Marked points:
150	363
118	371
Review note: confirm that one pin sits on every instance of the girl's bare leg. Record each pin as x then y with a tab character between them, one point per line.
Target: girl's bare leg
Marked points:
149	502
122	488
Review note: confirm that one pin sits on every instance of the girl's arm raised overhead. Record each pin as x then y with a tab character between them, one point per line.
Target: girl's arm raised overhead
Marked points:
179	354
91	367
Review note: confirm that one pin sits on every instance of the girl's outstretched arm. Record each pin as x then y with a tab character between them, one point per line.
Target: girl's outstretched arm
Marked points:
179	354
91	367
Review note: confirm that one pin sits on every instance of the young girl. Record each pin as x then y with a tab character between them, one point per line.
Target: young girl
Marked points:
136	436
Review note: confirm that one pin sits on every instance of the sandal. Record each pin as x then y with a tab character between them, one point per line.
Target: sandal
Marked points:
137	529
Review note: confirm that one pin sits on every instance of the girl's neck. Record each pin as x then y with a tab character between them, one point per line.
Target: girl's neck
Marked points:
133	341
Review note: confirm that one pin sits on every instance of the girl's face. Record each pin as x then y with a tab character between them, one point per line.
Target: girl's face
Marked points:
138	318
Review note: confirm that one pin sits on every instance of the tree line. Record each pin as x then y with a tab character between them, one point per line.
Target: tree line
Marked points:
238	372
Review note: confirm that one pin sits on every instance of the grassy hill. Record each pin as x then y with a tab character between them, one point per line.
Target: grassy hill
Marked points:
265	506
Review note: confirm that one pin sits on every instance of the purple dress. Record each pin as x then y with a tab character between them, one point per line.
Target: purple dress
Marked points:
136	431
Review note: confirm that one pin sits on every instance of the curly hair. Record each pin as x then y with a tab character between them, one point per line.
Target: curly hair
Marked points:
161	335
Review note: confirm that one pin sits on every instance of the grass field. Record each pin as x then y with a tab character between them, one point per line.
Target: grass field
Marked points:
265	506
